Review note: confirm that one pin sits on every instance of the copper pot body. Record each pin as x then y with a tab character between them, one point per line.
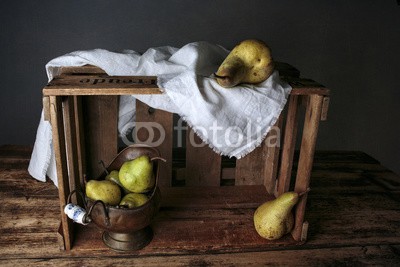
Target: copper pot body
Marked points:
126	220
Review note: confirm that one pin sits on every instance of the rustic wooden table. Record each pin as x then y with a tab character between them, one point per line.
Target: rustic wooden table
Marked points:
353	213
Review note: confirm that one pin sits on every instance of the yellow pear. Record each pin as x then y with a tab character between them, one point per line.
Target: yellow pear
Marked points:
249	62
133	200
103	190
113	176
274	218
136	175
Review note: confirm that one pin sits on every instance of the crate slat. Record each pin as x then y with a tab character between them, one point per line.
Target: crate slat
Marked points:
71	142
288	147
59	147
309	138
100	123
270	165
249	168
203	165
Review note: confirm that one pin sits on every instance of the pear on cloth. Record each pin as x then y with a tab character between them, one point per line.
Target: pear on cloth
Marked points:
249	62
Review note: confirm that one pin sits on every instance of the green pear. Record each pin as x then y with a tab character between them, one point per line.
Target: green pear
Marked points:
136	175
274	218
249	62
103	190
113	176
133	200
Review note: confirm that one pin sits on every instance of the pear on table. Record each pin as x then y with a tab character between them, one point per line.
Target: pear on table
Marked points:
274	218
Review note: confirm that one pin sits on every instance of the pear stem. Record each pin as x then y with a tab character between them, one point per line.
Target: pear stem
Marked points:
220	77
104	166
159	158
304	192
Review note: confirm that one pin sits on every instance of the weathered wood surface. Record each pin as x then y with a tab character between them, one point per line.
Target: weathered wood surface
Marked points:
91	80
203	165
353	211
100	132
101	84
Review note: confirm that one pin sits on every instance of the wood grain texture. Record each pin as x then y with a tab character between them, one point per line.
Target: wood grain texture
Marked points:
260	166
59	146
101	135
353	214
71	139
307	149
272	147
91	80
203	165
288	145
101	84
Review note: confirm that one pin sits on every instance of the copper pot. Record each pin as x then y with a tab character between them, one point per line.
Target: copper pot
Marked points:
127	228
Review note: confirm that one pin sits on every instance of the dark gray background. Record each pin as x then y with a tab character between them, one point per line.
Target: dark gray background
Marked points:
352	47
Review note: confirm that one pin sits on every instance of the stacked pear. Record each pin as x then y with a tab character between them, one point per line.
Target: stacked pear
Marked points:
249	62
126	187
137	175
104	190
274	218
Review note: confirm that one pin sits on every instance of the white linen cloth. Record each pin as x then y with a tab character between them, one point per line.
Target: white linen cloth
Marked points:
231	121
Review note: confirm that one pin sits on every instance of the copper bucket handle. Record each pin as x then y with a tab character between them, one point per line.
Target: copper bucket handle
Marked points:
87	217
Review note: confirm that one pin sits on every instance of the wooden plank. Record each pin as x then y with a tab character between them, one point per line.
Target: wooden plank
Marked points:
90	80
46	108
80	138
17	183
101	135
101	84
15	152
303	86
203	165
310	90
259	166
214	224
325	107
159	124
193	198
71	144
14	156
353	256
57	124
309	138
100	91
289	145
271	156
249	169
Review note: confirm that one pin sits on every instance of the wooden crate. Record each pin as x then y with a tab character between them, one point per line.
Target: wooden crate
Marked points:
82	102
